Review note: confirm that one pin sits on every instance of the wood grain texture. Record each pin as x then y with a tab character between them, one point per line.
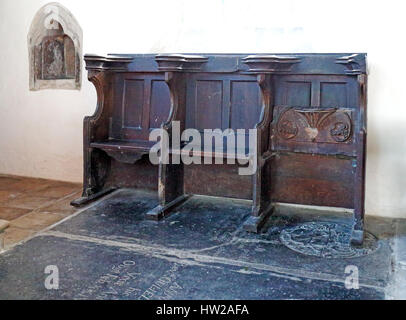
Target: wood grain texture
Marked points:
309	111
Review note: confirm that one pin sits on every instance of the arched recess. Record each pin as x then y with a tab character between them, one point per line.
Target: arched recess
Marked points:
55	49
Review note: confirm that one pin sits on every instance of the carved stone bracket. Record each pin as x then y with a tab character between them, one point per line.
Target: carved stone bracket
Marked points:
107	63
179	62
270	63
352	63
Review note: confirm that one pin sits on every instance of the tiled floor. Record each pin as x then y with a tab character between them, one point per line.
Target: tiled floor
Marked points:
31	205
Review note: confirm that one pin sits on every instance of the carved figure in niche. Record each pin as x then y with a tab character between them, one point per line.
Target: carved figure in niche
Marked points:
55	56
55	48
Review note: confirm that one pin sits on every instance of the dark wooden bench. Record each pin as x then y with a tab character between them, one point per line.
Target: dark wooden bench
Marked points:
309	111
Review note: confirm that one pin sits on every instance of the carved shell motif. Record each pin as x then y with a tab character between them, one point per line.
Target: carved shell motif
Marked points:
315	125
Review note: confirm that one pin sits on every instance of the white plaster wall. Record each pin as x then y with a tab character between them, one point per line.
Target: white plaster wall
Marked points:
41	132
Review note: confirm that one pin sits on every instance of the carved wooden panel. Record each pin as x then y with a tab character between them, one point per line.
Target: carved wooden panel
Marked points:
245	104
326	131
316	91
223	101
333	94
133	102
297	93
216	179
312	180
208	104
315	125
141	103
315	114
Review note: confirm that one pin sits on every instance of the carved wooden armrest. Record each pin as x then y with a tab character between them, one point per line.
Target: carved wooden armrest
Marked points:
262	126
174	65
264	66
266	97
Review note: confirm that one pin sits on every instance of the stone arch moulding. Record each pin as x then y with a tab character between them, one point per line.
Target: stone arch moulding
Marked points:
55	49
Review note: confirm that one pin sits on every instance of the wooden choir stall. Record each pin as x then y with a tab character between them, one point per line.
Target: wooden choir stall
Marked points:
309	111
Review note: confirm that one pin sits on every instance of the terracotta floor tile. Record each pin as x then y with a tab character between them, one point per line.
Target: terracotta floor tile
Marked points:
8	181
27	202
62	206
13	235
4	224
36	221
19	196
29	184
12	213
6	195
56	191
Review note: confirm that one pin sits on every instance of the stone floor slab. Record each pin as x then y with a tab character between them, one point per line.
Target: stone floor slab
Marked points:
100	271
213	227
14	235
110	251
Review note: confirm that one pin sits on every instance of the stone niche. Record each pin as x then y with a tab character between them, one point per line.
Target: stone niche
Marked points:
55	49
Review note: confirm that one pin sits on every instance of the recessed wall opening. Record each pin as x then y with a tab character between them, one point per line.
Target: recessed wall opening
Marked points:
55	49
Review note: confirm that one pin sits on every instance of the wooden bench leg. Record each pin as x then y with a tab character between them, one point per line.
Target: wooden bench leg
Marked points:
82	201
170	182
170	191
262	207
357	235
257	219
161	211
